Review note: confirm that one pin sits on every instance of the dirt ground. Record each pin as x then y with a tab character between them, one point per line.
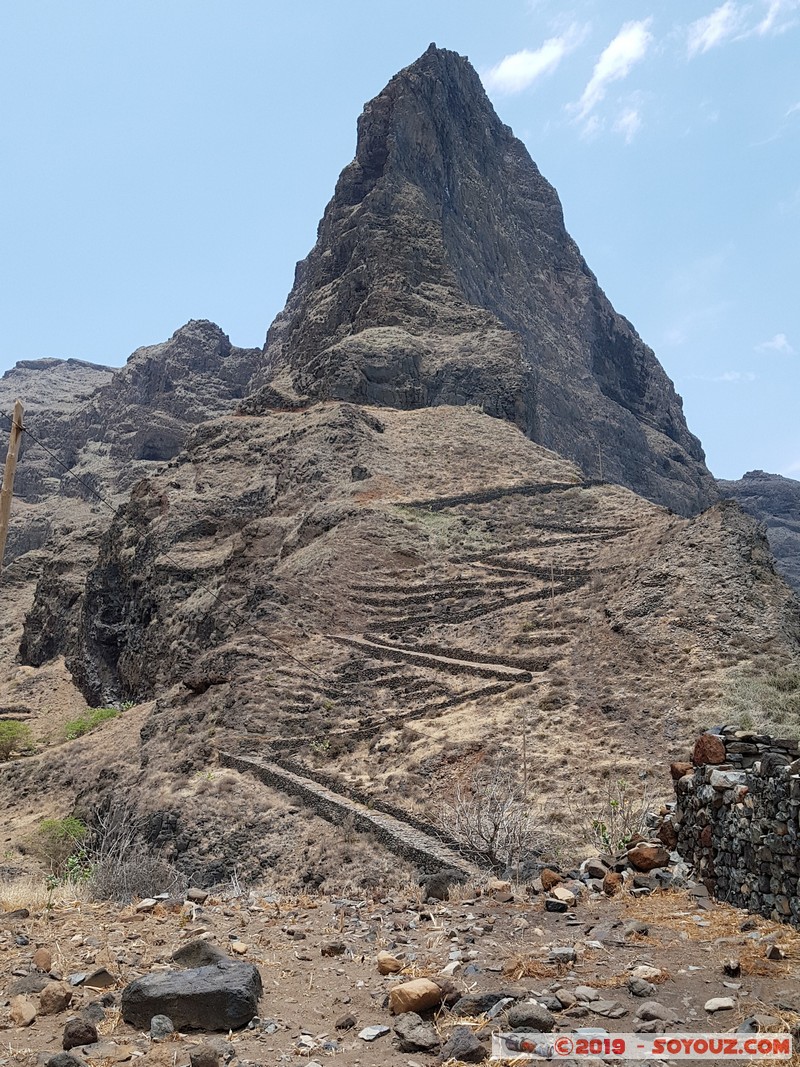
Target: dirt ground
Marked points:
495	946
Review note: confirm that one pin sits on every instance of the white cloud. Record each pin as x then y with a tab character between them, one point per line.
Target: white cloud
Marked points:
516	72
778	17
779	343
729	377
628	48
628	124
713	29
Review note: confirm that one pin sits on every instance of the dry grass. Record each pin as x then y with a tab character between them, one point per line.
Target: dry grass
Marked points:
520	965
33	892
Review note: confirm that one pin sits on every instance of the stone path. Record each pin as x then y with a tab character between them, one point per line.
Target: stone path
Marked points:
472	666
412	844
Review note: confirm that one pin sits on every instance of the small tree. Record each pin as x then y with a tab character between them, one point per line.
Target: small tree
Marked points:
611	823
14	737
489	816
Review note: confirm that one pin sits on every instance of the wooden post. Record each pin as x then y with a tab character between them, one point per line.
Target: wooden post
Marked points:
8	476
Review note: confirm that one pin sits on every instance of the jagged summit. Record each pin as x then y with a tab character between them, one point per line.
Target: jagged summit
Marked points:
443	274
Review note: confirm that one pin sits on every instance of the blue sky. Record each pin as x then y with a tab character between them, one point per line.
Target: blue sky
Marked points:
169	159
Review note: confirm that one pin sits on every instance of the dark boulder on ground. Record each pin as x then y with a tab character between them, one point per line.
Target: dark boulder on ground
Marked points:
218	997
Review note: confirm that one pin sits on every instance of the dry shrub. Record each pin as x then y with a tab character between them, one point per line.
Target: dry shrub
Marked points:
123	867
488	814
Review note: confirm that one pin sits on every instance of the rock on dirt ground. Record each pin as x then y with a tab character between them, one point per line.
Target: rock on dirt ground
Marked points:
493	964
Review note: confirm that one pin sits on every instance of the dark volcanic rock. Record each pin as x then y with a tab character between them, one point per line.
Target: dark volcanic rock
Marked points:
775	501
443	274
222	997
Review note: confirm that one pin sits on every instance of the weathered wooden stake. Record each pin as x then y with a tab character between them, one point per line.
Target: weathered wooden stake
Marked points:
7	492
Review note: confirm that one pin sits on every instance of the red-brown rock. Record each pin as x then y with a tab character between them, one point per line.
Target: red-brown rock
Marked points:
648	857
708	748
612	883
677	770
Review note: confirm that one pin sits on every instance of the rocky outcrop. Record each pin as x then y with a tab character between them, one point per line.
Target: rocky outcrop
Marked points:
443	274
775	501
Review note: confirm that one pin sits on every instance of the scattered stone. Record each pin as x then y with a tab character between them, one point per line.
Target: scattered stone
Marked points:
653	1010
563	954
161	1026
530	1016
635	928
719	1004
345	1022
553	905
198	953
78	1032
612	883
221	997
414	1035
29	983
9	919
100	979
332	948
417	995
464	1046
370	1033
638	987
566	998
239	947
65	1059
763	1024
560	892
42	959
146	905
647	857
204	1056
648	973
54	998
586	993
609	1009
477	1003
197	896
389	964
549	879
22	1011
775	952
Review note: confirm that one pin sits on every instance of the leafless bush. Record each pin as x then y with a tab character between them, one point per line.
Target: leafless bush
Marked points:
122	865
490	817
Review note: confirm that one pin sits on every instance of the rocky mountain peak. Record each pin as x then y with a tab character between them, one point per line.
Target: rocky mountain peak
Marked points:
443	274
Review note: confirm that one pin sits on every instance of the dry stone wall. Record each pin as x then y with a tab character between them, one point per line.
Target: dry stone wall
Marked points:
737	820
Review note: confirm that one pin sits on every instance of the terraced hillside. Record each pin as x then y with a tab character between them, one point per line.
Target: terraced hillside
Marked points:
386	598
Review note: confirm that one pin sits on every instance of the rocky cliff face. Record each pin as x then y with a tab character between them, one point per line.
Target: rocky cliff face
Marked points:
775	501
443	274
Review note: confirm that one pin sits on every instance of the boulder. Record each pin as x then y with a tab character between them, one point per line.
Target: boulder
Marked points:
478	1003
54	998
647	857
78	1032
414	1035
388	964
462	1045
530	1016
219	997
415	996
22	1011
708	748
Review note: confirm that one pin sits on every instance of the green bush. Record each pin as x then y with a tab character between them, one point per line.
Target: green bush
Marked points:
14	737
87	721
58	843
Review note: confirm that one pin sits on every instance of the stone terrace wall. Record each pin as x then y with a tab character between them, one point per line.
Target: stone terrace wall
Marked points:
736	820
